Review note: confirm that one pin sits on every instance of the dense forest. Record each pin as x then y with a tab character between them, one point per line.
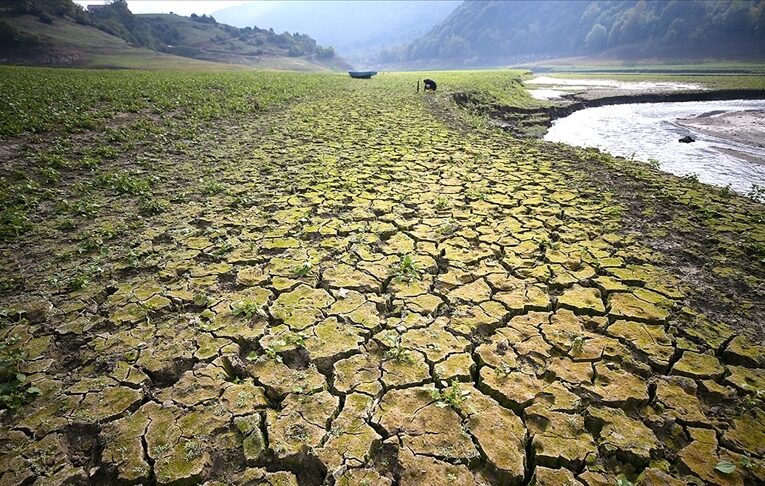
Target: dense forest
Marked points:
157	32
483	32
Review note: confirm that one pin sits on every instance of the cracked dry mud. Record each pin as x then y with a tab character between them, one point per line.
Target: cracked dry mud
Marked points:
276	343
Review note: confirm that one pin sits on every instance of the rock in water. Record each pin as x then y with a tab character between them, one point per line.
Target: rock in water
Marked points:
687	139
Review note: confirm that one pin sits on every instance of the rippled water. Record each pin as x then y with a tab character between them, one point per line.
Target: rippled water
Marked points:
649	131
547	88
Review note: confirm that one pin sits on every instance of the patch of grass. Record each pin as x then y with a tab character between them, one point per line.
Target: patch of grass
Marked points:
14	388
406	269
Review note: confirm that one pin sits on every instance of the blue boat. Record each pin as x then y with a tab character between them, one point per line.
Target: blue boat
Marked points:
361	74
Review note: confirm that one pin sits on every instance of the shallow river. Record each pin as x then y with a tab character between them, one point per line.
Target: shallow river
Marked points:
649	131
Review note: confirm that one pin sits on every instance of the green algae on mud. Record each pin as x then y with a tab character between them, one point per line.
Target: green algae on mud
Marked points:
257	327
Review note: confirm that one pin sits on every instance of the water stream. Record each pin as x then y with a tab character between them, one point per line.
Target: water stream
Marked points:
651	131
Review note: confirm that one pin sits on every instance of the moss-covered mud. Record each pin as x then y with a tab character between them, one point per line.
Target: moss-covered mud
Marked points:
354	284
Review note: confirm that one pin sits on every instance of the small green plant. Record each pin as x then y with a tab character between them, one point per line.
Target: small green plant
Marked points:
450	227
247	308
79	281
211	188
653	163
503	370
123	183
693	178
622	480
303	269
13	222
193	449
725	467
577	344
407	270
395	351
451	396
441	203
726	191
269	353
757	193
150	205
14	388
49	175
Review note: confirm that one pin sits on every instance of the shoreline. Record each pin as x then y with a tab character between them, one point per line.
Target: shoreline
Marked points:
744	127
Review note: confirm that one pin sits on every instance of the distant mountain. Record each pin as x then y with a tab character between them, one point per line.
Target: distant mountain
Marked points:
59	32
496	32
355	29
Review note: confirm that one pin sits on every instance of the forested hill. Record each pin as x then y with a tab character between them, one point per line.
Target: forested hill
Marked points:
60	32
488	33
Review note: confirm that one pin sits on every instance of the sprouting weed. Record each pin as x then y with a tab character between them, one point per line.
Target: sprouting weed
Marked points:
757	193
692	178
193	449
725	467
450	227
503	370
269	353
14	388
441	203
406	269
303	269
622	480
451	396
396	352
577	344
247	308
653	163
150	205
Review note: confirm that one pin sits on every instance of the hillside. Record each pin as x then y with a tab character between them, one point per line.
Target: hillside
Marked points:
355	29
114	37
492	33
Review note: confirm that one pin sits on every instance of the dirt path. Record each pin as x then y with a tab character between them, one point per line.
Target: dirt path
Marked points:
370	296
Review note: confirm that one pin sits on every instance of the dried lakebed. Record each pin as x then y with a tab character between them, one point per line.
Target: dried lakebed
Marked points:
353	288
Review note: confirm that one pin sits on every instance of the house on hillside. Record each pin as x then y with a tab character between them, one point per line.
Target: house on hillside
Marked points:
95	7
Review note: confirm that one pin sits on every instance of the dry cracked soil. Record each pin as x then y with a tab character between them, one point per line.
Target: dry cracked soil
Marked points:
375	292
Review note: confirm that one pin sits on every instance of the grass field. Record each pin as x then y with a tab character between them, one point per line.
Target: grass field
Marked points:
282	278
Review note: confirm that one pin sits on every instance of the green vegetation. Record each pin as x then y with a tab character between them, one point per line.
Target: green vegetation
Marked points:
59	32
14	388
490	33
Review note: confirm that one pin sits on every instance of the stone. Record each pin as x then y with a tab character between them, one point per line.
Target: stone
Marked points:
749	380
514	389
748	432
351	439
417	470
544	476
